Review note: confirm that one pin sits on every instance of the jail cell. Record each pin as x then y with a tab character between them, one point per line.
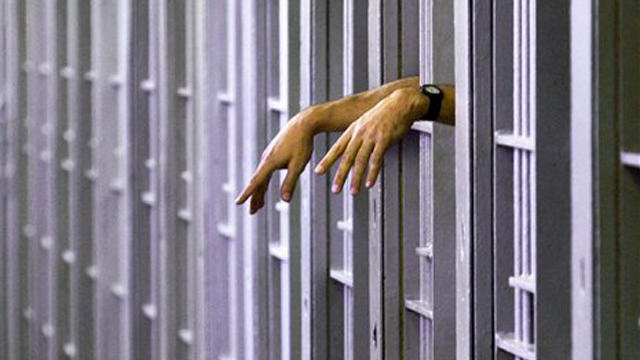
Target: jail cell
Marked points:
515	140
429	221
225	242
277	211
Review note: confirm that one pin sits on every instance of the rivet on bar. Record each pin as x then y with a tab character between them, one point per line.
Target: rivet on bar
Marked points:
186	336
70	350
118	290
45	156
281	206
148	198
67	164
226	230
279	252
345	225
90	75
46	242
69	256
274	104
186	176
425	251
150	164
115	81
48	330
91	174
69	135
67	72
184	215
225	98
92	272
117	186
184	92
228	188
150	311
44	69
148	85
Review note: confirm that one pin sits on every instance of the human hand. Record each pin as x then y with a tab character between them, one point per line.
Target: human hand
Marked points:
367	139
291	150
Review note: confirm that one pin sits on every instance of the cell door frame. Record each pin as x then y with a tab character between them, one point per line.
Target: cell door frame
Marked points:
475	249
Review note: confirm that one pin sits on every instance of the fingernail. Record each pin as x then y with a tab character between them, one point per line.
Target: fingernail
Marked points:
353	190
368	184
286	196
335	188
318	169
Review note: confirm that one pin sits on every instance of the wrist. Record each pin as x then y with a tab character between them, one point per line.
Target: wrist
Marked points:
413	102
311	118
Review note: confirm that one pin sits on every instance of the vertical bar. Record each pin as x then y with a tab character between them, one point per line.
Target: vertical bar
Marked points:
582	205
463	142
314	190
82	151
110	160
375	195
62	183
199	162
142	87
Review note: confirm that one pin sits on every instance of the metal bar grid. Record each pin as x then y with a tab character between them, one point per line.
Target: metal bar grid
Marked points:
277	211
41	115
63	254
314	193
428	153
225	245
3	187
15	171
145	189
521	342
110	167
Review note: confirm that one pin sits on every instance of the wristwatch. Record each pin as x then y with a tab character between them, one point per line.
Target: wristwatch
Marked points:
435	100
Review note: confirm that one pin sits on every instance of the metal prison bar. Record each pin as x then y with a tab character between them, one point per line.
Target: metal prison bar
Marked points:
128	127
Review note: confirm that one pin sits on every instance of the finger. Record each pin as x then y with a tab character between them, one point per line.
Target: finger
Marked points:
257	200
334	153
289	183
375	163
360	166
263	172
345	164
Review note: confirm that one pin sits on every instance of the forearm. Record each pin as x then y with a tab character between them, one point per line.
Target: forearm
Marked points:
339	114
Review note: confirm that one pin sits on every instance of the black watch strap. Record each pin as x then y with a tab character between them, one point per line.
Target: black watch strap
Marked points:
435	100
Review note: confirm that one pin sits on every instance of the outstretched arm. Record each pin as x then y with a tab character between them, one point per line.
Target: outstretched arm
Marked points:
292	147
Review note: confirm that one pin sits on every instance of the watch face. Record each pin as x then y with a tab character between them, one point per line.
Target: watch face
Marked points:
432	90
